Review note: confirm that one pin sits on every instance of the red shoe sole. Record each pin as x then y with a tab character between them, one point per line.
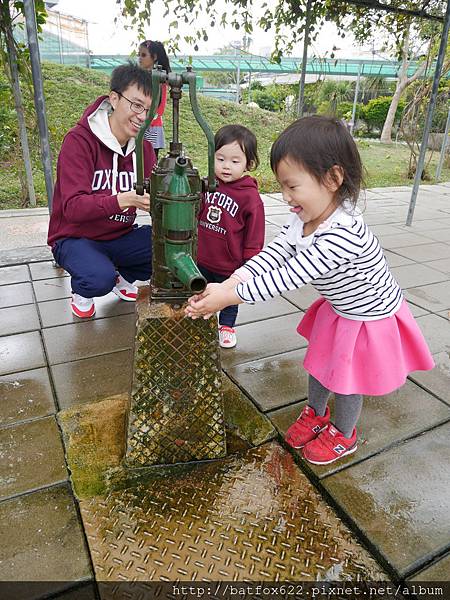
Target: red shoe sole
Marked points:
327	462
83	314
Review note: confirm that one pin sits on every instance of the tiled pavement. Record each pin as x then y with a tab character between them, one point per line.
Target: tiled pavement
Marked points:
393	492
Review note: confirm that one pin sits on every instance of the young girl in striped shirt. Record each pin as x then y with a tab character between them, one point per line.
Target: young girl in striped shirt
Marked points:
362	336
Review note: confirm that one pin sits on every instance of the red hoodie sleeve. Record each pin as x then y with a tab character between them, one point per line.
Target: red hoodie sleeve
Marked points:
74	174
255	228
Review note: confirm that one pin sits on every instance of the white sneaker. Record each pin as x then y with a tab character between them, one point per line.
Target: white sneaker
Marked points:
82	307
227	336
125	290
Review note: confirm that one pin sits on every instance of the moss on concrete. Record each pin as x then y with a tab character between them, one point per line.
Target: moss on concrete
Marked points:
95	437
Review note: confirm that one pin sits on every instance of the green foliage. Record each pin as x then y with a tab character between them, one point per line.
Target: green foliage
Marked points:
271	97
374	113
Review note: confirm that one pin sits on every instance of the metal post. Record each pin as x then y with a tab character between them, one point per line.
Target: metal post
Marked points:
429	117
443	147
301	92
61	56
249	87
39	100
355	100
238	72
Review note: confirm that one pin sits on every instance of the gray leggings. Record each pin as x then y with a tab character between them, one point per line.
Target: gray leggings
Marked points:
347	409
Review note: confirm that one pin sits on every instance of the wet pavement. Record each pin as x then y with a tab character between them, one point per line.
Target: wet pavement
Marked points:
259	514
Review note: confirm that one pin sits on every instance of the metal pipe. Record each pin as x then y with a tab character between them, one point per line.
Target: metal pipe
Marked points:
443	147
355	100
429	117
39	99
238	72
301	93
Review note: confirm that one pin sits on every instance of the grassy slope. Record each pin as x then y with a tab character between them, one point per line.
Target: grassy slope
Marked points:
69	90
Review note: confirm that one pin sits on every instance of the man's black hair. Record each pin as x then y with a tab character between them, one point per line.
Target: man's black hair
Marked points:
244	137
130	74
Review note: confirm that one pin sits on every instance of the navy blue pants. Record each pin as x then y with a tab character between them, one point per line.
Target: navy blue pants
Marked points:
93	264
228	315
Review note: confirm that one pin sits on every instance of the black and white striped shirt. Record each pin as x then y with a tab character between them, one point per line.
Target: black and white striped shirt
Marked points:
342	259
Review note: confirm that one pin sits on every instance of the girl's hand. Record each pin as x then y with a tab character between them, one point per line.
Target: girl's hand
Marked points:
215	297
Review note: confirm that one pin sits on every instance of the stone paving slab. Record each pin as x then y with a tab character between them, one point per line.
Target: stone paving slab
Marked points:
58	312
92	379
385	420
46	270
42	539
19	256
415	274
303	297
426	252
251	517
434	297
400	241
25	396
442	265
439	235
16	294
255	341
436	381
52	289
21	352
436	331
265	310
395	260
19	319
273	382
399	499
438	571
17	274
417	311
32	457
67	343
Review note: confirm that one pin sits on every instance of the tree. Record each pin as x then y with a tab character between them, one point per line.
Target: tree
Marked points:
13	61
405	39
278	15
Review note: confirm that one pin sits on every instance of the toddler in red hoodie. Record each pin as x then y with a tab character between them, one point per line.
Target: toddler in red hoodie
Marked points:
231	219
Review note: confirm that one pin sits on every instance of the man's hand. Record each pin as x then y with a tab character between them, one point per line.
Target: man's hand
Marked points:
127	199
215	297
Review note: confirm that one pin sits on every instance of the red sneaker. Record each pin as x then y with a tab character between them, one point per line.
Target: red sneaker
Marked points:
329	446
125	290
82	307
306	427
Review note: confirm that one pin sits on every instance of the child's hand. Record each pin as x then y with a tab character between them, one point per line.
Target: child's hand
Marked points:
215	297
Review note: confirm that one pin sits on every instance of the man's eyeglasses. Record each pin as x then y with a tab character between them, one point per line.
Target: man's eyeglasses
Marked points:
136	107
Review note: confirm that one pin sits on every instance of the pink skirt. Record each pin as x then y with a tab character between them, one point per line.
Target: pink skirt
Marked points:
362	357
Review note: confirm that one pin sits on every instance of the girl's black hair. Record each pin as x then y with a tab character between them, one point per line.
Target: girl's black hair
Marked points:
157	49
319	143
125	75
244	137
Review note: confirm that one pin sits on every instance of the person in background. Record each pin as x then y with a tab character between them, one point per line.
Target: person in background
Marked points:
150	54
231	219
92	232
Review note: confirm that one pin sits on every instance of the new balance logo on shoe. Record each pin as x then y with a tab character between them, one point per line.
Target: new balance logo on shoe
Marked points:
339	448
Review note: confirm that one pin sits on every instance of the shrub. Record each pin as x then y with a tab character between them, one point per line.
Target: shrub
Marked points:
374	113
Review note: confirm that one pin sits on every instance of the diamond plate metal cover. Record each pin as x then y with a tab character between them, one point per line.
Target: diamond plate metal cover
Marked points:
176	412
251	517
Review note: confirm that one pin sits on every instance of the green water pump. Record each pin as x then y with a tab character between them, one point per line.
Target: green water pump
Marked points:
175	189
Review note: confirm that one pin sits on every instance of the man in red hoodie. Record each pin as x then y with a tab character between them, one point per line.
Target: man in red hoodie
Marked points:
92	232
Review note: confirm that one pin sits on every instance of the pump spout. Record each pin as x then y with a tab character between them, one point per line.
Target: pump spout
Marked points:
185	269
179	225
